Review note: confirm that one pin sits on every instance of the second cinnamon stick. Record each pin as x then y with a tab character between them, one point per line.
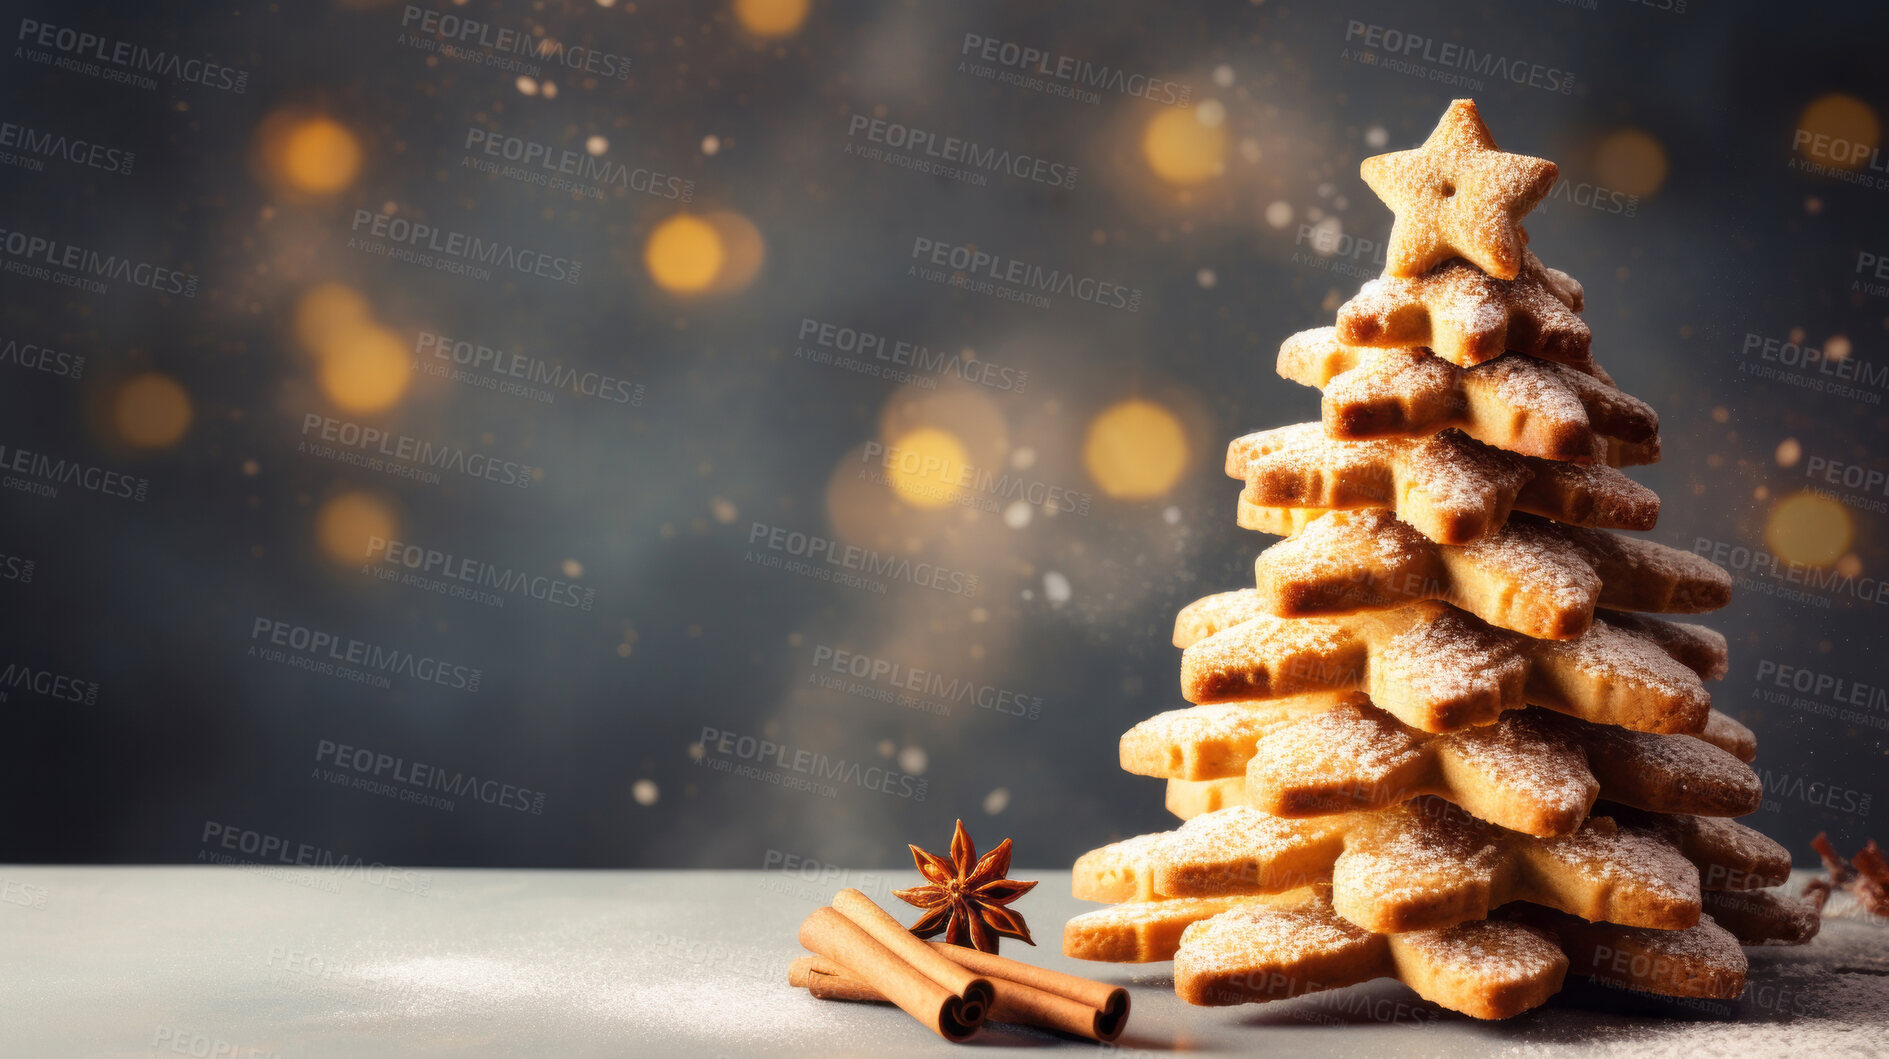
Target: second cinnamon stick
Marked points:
892	934
839	939
1108	1003
1014	1002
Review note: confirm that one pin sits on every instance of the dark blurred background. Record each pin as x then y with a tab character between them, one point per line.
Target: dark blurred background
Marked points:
584	596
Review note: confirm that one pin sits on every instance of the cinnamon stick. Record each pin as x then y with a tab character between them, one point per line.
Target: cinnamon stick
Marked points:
1107	1004
839	939
1015	1001
892	934
840	987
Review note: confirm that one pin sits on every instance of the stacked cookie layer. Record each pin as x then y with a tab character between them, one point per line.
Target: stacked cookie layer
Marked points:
1439	739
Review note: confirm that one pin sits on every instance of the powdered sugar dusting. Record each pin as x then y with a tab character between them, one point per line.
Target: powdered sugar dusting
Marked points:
1457	194
1354	748
1491	953
1210	614
1524	764
1256	938
1467	317
1209	742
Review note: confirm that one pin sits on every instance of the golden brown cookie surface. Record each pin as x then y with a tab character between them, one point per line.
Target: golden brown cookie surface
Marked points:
1467	317
1449	488
1698	961
1531	576
1514	402
1418	866
1488	970
1436	668
1458	195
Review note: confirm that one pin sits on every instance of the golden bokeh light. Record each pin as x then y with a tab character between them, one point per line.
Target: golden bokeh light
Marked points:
961	411
365	370
328	311
361	365
743	250
1184	150
1838	131
151	411
684	254
772	18
346	523
1808	529
1631	161
923	467
1135	450
310	154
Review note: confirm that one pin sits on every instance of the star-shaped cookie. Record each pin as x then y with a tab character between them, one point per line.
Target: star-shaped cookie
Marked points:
1466	317
1451	489
1532	576
1696	647
1487	970
1418	866
1437	669
1458	195
1763	917
1621	775
1532	771
1730	855
1704	960
1514	402
1269	951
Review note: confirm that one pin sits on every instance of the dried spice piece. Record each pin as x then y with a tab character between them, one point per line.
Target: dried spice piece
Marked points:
1833	862
1872	879
964	897
1867	876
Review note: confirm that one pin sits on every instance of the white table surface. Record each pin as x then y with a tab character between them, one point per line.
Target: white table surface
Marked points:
218	961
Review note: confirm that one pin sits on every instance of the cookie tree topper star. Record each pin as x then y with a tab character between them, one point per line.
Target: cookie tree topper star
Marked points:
1458	195
965	897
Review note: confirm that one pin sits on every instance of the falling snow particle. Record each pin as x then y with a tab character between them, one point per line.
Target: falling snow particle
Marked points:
913	760
997	801
1326	236
1055	588
1376	137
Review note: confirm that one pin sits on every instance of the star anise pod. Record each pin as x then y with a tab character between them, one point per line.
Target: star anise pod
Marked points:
965	897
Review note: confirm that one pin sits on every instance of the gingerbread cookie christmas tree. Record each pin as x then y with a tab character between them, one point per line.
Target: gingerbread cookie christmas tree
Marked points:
1439	740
